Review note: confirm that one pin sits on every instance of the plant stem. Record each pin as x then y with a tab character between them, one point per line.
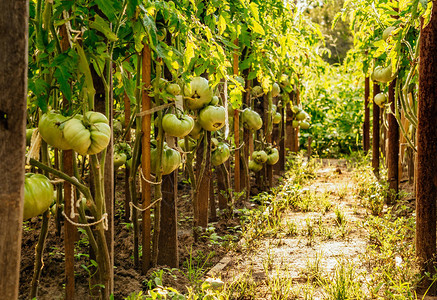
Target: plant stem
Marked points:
39	255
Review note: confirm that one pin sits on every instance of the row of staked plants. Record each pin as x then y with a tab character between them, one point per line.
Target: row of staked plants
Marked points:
153	86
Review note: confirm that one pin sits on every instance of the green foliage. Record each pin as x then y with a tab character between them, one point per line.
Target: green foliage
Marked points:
334	100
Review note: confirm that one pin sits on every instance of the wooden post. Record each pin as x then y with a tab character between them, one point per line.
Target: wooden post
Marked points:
14	16
375	142
100	106
426	179
146	192
70	231
168	239
236	130
212	206
393	148
366	124
202	194
289	130
296	130
282	153
268	135
222	187
127	199
247	140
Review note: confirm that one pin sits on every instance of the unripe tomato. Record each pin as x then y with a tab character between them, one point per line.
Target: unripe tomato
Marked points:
197	93
119	160
38	195
257	91
300	116
220	154
295	123
304	125
214	101
174	89
212	118
90	135
382	74
191	144
51	127
171	159
277	118
177	126
196	132
29	133
380	99
259	157
254	166
276	90
272	156
251	119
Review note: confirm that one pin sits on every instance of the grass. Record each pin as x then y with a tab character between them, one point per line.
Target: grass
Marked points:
386	270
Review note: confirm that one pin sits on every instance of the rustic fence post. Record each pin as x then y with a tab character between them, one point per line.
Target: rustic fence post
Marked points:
14	16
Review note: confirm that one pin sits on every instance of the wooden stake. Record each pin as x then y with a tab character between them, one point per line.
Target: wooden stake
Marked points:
236	130
70	232
13	85
393	149
366	124
426	176
146	191
375	142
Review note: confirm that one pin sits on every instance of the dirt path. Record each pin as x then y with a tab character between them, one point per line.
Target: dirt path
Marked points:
309	243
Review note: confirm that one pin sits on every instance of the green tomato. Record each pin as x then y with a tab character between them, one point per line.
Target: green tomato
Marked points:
214	144
295	123
174	89
382	74
123	148
51	127
277	118
272	156
251	119
29	133
380	99
196	132
88	136
129	163
212	118
304	125
259	157
119	160
117	126
276	90
257	91
177	126
191	144
38	195
300	116
214	101
171	159
197	93
220	154
387	32
296	109
254	166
